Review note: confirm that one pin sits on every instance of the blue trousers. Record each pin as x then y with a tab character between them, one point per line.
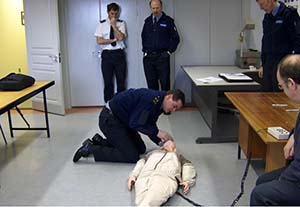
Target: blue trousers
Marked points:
271	190
113	64
269	82
157	71
123	144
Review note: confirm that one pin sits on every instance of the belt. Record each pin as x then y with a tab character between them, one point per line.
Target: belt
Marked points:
156	53
112	51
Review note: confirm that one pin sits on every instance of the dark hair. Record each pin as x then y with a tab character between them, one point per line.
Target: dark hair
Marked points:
113	6
159	2
177	95
289	67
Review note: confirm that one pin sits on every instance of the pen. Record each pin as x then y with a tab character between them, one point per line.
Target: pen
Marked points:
292	110
279	105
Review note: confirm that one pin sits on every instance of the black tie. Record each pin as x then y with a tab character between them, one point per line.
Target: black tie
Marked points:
155	24
112	36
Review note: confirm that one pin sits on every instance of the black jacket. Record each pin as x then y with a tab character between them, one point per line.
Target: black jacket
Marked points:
139	110
281	33
163	37
292	172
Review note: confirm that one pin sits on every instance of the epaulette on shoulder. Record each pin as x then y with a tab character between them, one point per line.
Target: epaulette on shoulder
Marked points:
291	8
102	21
119	20
155	100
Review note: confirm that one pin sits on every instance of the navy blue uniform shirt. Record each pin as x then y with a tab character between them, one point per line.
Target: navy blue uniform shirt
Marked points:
292	172
160	38
281	33
139	109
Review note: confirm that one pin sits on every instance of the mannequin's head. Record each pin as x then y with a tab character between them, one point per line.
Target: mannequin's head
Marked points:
170	146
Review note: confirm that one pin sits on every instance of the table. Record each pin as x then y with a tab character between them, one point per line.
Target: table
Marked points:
11	99
223	127
258	111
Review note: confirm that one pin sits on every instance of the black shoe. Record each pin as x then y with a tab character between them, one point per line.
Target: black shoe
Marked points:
87	141
97	139
83	151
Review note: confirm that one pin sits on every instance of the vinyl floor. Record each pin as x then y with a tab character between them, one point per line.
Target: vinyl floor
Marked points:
38	171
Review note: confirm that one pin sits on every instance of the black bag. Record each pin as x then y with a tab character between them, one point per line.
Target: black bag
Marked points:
16	82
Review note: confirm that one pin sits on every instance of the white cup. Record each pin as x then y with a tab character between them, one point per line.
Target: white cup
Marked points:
251	67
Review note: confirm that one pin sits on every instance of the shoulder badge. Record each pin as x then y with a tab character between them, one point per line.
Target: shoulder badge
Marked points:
119	20
102	21
156	100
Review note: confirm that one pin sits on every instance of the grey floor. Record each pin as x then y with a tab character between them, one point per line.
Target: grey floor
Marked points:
35	170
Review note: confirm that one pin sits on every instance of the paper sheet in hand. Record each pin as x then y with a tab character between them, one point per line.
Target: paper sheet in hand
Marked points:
235	77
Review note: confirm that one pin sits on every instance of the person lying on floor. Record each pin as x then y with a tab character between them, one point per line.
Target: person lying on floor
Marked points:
157	176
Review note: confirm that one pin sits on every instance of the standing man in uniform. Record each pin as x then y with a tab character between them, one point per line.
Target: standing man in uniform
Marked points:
124	116
110	33
159	38
281	36
281	187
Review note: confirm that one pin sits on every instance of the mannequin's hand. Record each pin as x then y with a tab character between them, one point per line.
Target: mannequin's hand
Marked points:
131	181
186	187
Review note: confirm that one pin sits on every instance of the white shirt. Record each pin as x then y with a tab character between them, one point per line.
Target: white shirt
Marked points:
103	30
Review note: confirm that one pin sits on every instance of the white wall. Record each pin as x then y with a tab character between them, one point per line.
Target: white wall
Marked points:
208	29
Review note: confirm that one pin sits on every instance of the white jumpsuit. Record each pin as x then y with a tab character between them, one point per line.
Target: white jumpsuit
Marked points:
158	174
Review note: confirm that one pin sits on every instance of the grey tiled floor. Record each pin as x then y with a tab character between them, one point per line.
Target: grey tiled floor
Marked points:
35	170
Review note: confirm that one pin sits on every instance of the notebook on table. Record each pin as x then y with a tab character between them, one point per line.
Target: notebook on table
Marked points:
235	77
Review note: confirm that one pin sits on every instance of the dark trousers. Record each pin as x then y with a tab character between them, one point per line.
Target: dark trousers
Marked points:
270	83
271	190
126	145
113	63
157	70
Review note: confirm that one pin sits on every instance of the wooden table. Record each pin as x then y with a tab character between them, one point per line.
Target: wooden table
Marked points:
207	95
11	99
258	111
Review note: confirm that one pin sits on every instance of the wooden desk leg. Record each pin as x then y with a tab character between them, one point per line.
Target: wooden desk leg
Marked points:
274	157
244	137
249	141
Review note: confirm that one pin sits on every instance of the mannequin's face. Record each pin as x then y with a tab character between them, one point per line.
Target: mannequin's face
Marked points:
170	146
